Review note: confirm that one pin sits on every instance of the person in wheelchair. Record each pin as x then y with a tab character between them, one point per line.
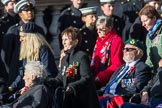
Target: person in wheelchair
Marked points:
151	95
129	78
35	94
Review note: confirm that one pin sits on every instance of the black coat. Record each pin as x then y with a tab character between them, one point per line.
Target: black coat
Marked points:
84	95
10	51
154	85
36	97
139	77
88	40
69	17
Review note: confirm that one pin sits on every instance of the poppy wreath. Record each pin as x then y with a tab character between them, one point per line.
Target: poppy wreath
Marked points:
72	69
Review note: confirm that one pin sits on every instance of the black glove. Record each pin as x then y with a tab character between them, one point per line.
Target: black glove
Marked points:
69	90
49	81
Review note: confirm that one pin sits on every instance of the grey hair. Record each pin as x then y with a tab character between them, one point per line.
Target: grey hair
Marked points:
35	68
107	21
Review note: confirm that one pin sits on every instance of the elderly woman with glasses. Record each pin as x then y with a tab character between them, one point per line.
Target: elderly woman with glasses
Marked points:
107	54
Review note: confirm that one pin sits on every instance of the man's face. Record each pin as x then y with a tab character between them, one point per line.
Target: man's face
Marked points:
27	15
129	53
10	7
77	3
107	9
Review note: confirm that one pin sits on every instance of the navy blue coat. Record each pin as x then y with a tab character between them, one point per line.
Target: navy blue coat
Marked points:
88	40
10	51
138	78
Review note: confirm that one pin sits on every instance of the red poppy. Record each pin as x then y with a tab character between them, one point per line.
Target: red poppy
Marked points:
132	68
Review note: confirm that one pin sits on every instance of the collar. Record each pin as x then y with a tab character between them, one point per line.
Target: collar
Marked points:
133	63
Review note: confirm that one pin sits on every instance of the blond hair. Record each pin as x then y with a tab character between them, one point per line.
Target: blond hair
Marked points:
30	49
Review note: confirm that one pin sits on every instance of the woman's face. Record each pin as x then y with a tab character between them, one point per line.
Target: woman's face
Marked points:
148	23
67	42
22	38
28	79
90	20
102	30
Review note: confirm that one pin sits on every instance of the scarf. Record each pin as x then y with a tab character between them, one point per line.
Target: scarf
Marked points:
151	32
105	59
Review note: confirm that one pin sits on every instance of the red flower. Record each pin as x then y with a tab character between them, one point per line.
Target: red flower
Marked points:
72	70
132	68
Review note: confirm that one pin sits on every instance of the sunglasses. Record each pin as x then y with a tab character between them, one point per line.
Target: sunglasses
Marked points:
129	49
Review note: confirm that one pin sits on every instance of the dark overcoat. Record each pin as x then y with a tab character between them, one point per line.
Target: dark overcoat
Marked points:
139	78
84	95
36	97
11	49
88	40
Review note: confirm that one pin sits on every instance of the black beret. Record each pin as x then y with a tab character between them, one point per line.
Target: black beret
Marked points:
28	28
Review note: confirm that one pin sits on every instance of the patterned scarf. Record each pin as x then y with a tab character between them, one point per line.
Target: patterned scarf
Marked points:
151	32
105	60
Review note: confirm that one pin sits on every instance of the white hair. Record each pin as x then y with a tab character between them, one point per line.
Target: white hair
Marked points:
35	68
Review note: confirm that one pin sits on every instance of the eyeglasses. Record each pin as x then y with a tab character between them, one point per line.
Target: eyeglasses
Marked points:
128	49
101	29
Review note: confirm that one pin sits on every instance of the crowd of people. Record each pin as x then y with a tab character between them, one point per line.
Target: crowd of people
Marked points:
111	56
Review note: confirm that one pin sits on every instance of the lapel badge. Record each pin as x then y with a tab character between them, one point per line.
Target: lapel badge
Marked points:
21	28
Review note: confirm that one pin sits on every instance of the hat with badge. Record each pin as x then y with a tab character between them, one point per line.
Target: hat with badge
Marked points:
135	42
4	2
88	10
24	5
107	1
28	28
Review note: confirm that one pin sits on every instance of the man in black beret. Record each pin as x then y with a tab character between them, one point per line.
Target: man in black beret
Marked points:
11	43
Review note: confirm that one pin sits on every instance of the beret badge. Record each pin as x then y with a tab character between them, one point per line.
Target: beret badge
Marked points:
132	42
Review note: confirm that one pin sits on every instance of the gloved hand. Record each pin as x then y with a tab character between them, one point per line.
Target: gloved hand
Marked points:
69	90
49	81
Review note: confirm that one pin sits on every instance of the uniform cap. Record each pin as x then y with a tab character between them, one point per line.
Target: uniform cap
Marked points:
24	5
146	1
107	1
136	43
28	27
88	10
4	2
